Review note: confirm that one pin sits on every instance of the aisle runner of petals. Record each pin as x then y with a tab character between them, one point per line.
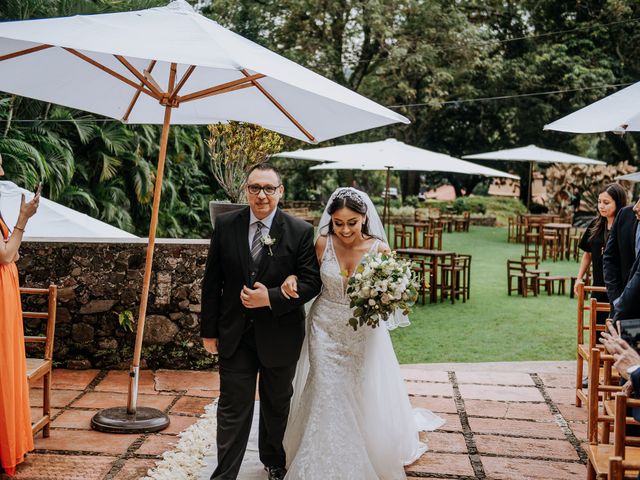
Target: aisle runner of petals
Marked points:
194	457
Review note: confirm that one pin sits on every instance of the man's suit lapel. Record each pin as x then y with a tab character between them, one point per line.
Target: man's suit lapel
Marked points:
242	241
277	233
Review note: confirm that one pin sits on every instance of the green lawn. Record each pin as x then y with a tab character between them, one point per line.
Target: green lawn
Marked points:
491	326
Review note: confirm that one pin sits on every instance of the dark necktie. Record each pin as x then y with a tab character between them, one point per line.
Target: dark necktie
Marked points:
256	243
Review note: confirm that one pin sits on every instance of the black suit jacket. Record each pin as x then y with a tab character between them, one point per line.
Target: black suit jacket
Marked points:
279	330
628	305
620	253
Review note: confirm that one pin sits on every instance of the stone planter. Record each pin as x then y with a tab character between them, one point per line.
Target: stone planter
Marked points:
216	208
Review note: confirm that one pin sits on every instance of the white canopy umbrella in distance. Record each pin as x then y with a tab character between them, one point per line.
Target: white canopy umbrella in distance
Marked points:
54	220
172	65
533	154
387	155
630	177
618	112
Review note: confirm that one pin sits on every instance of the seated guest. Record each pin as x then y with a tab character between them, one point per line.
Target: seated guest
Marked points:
627	361
611	200
621	251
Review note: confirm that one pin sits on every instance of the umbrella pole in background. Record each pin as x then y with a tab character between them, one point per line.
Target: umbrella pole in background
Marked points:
144	419
530	186
386	214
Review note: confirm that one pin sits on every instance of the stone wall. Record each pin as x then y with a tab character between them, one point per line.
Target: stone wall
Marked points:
98	281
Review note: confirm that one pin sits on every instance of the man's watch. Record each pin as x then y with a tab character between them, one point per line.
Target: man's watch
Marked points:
632	369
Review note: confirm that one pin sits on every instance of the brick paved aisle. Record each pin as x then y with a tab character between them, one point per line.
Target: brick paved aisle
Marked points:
504	421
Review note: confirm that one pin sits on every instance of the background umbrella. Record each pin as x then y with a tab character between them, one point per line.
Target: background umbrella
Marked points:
387	155
533	154
54	220
630	177
171	65
619	112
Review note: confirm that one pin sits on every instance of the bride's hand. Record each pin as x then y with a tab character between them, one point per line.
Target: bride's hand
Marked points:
289	287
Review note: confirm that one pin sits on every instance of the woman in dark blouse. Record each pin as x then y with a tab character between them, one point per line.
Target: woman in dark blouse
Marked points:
611	199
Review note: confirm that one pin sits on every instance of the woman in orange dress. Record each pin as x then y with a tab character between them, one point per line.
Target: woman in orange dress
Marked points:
15	419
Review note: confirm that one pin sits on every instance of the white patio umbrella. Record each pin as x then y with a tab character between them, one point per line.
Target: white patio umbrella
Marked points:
54	221
619	112
533	154
390	154
630	177
171	65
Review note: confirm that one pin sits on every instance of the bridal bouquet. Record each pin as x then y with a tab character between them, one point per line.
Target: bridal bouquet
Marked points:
381	285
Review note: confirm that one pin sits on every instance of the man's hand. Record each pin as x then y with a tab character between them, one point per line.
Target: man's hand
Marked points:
623	354
255	297
210	345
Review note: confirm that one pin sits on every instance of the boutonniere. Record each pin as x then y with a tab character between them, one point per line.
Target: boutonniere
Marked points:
267	241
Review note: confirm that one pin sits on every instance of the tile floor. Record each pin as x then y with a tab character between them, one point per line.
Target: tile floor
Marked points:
504	421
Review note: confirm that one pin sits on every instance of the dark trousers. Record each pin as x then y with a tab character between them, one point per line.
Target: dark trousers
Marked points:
238	375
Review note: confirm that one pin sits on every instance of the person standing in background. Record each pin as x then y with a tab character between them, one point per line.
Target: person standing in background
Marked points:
16	438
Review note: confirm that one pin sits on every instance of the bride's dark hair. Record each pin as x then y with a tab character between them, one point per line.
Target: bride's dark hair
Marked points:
353	201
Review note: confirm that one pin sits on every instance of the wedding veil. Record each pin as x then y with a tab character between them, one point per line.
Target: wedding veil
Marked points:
376	228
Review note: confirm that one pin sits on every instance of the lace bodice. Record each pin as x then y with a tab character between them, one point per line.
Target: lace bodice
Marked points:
333	282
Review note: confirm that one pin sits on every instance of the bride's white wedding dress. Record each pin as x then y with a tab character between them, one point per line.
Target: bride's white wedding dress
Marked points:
350	414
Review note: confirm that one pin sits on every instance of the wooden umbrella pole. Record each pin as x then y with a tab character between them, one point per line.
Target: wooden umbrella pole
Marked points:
530	186
385	214
146	282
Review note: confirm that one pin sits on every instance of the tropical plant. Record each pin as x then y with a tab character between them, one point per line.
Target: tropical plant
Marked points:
236	147
589	179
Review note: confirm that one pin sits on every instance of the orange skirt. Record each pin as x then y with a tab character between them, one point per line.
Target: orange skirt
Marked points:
15	418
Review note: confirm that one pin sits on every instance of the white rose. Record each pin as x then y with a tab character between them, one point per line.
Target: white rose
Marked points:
372	302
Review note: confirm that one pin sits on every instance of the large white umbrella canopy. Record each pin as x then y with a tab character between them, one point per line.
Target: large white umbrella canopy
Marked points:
171	65
231	77
392	154
54	221
619	112
531	153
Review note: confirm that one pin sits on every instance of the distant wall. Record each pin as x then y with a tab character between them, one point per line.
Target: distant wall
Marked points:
97	281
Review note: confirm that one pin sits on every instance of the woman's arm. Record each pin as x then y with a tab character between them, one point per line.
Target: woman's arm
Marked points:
9	249
584	266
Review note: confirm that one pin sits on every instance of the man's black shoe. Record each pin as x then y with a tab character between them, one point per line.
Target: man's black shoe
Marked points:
276	473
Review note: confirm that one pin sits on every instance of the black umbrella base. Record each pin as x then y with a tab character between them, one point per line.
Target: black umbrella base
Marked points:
117	420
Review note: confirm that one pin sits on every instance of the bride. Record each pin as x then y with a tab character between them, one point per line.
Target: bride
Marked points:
350	414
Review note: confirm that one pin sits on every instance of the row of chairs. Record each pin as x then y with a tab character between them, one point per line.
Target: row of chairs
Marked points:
431	236
530	278
449	222
614	450
520	225
453	278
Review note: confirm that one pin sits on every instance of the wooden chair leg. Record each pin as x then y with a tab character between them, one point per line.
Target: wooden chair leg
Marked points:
579	367
46	403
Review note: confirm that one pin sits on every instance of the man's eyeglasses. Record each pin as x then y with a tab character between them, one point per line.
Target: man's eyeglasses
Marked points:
267	189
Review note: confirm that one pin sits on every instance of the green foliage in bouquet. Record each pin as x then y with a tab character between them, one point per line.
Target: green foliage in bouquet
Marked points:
380	285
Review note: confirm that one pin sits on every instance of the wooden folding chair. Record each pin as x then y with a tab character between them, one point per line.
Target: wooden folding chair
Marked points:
583	349
40	368
525	281
402	238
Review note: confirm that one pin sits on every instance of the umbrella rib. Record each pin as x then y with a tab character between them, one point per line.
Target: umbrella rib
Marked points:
148	82
111	72
27	51
136	95
280	107
181	83
222	88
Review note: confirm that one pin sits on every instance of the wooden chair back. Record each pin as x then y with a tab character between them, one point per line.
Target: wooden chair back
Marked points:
40	368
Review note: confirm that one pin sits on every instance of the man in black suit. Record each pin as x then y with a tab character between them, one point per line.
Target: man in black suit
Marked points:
251	325
621	251
627	305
